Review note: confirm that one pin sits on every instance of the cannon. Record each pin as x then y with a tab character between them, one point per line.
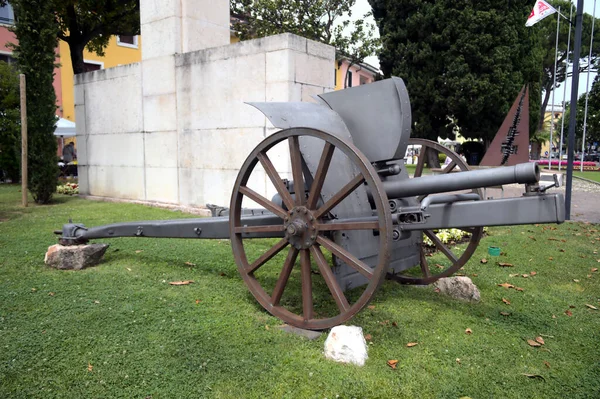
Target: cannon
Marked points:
334	208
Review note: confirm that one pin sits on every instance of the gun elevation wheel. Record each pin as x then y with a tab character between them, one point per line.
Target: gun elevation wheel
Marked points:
448	258
292	277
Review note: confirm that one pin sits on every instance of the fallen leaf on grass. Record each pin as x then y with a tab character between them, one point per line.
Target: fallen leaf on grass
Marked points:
266	327
575	280
534	376
190	264
591	306
394	324
568	313
532	273
439	266
553	239
186	282
197	301
411	344
540	340
96	302
503	264
550	258
572	306
368	337
484	260
561	250
513	275
128	269
524	275
458	360
371	307
468	331
533	238
138	251
594	269
505	313
222	274
392	363
518	289
474	274
546	364
90	367
506	285
506	301
554	316
51	293
533	343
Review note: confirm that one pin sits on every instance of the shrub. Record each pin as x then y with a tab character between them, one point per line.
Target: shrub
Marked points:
10	123
442	157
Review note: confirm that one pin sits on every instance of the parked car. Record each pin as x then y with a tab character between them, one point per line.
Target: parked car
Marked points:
592	157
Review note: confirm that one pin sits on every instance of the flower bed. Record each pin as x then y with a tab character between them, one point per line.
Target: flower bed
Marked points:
68	189
544	162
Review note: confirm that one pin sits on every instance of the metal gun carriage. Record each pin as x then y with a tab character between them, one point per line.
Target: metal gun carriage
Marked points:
331	199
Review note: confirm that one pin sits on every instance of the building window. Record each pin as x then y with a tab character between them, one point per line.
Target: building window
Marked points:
349	79
93	66
127	41
7	16
7	58
364	80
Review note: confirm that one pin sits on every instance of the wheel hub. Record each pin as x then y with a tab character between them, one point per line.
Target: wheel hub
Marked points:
300	227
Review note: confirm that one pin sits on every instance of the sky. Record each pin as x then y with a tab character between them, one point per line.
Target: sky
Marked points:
362	7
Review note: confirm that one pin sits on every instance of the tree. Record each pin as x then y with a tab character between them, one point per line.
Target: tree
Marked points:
546	29
320	20
592	131
10	133
36	29
463	62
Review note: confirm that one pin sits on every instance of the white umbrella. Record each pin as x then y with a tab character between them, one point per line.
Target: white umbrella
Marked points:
65	128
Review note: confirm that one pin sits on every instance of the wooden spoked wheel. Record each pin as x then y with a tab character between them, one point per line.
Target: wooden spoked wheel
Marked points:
429	270
307	228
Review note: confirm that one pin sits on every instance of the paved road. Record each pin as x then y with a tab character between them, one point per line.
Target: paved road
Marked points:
585	199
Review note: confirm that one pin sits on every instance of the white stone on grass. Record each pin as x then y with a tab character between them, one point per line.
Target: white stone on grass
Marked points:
346	344
459	287
75	257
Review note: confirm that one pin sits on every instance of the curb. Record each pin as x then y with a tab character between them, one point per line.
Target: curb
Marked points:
586	180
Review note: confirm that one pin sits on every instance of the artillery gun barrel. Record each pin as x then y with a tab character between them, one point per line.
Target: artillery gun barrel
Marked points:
524	173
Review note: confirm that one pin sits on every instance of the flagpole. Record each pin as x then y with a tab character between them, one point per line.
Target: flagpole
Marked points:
587	90
572	115
553	90
562	122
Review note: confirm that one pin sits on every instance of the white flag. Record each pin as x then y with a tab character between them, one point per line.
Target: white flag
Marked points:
541	10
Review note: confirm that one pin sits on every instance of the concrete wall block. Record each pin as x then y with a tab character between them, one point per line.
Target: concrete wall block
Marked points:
283	92
82	179
114	106
308	91
280	66
216	12
79	94
320	50
162	184
161	37
80	117
217	149
160	112
160	149
116	150
120	71
158	75
116	182
198	34
212	95
314	71
82	150
153	10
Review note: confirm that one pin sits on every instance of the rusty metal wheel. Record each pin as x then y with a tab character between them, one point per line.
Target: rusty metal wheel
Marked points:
429	271
307	295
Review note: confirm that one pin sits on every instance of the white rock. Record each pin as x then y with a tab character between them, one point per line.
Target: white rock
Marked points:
346	344
459	288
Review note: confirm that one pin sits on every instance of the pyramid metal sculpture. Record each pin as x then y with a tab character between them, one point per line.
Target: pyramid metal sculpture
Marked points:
511	144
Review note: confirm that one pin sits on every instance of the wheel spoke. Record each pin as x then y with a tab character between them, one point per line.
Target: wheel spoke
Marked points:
307	299
256	197
366	225
440	245
264	258
288	265
332	284
317	185
276	179
420	162
424	264
346	256
340	195
449	167
296	158
259	229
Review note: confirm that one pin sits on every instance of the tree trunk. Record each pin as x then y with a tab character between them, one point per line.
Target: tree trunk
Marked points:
536	150
432	159
77	58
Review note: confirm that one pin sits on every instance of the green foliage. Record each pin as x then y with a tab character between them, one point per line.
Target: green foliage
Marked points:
36	29
91	23
320	20
463	62
10	125
592	132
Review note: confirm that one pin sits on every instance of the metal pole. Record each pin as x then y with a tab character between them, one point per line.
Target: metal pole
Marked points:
572	115
24	176
553	90
587	90
564	107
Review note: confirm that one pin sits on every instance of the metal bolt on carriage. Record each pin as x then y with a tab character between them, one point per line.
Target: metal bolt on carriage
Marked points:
335	209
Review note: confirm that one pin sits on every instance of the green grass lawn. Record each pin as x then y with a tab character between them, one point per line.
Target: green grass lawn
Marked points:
119	330
590	175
